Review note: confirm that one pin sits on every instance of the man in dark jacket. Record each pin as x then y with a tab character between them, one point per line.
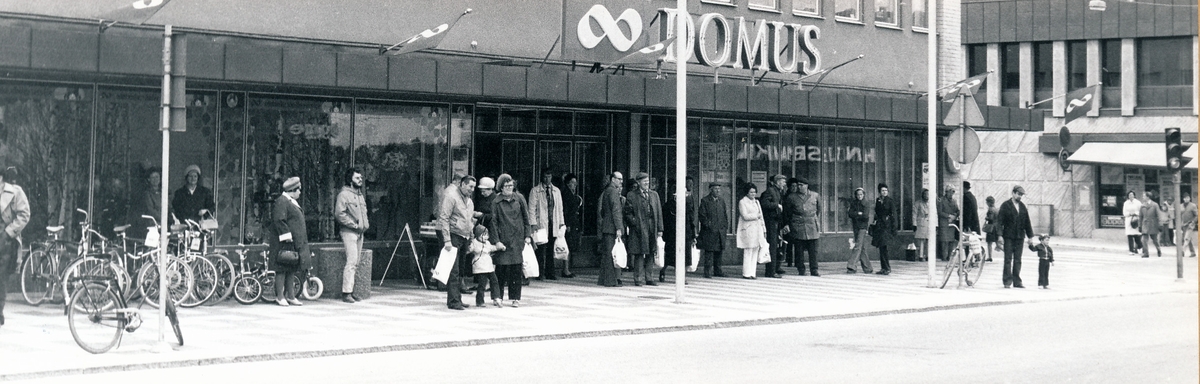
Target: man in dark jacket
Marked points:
643	217
800	210
772	207
947	211
714	224
610	221
970	212
689	229
1014	225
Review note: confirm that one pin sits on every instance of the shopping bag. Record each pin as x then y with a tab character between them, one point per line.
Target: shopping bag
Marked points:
541	236
152	237
444	264
764	250
529	262
560	249
660	254
619	254
695	260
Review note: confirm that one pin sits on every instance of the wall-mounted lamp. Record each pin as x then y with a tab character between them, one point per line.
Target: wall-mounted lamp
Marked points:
1097	5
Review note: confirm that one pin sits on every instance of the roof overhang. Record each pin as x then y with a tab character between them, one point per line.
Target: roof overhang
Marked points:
1143	155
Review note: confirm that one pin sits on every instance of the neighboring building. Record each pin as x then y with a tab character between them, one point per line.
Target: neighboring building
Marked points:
1144	54
276	90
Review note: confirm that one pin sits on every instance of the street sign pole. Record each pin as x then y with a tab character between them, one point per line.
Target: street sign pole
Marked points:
1175	179
931	137
680	148
163	292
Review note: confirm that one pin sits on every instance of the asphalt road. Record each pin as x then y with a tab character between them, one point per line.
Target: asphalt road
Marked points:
1135	339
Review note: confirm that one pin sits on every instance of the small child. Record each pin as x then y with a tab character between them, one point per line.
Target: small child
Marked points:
482	266
1045	259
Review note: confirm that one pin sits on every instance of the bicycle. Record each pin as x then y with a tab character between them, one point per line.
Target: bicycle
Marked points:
41	271
179	277
253	280
191	248
311	289
970	267
90	261
200	242
99	308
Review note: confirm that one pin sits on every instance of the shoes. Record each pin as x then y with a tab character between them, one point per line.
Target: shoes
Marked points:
662	278
456	307
719	275
540	278
281	302
496	302
1045	287
707	276
636	283
516	303
551	276
779	272
1145	256
348	298
1006	286
651	283
850	271
355	297
295	302
775	276
749	277
525	282
1018	286
568	275
815	274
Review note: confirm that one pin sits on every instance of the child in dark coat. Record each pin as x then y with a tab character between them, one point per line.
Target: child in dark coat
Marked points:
482	266
1045	259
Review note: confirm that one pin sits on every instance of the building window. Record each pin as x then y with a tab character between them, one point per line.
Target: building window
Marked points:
920	17
1043	65
885	12
1077	60
807	7
1165	62
1010	59
764	5
848	10
721	2
1110	63
977	61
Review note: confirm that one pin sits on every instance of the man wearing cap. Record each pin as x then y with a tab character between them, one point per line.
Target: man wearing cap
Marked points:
947	211
546	213
350	209
800	210
714	224
643	217
772	207
1014	225
14	215
192	200
610	222
483	200
455	225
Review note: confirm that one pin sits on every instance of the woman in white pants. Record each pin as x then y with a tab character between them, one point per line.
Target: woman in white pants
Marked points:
751	230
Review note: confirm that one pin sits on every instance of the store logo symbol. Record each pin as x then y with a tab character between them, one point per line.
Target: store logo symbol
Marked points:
1082	101
142	4
610	27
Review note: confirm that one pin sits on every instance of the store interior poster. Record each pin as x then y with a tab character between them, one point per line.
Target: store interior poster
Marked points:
1112	175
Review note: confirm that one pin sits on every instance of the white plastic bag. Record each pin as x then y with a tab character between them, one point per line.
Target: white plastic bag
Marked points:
541	236
529	262
444	264
660	254
764	250
695	260
619	255
560	249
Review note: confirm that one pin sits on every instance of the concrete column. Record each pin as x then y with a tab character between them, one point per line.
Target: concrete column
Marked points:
1093	73
1059	72
1026	60
1128	76
993	80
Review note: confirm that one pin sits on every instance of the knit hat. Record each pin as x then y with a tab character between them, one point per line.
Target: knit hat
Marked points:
291	183
192	168
479	230
487	183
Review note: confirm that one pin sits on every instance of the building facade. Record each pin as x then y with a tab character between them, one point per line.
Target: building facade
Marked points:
276	91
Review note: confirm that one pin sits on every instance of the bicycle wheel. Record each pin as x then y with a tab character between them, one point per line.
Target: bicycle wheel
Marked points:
205	275
313	288
225	278
950	267
94	318
975	269
179	281
173	317
268	288
94	267
247	290
37	278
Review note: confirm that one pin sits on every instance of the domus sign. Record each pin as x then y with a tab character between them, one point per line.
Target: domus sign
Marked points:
715	39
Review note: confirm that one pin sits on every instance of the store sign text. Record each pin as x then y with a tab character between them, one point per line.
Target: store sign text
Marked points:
806	153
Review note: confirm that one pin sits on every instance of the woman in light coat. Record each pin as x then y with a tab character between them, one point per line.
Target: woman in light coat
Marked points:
751	230
1132	209
921	220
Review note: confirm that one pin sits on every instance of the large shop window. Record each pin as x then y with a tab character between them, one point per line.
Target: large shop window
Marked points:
1077	60
1164	69
47	136
1110	73
1116	182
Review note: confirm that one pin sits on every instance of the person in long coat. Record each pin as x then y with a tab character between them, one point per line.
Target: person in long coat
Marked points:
772	207
14	217
947	211
1149	225
689	229
714	223
992	226
546	213
751	229
610	222
857	211
970	210
573	215
801	210
1132	209
643	217
511	226
290	234
885	227
921	221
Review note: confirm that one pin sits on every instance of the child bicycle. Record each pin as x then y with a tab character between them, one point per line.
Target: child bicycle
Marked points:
257	282
969	267
98	313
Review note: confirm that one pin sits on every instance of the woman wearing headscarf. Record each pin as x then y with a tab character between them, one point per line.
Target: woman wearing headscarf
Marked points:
751	230
192	200
510	225
291	235
858	222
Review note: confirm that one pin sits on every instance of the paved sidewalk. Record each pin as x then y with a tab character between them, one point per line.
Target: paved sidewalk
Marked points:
36	342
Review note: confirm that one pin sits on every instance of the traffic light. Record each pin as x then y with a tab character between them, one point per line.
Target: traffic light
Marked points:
1175	150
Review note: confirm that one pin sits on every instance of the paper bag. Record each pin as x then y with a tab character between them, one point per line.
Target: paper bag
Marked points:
529	262
618	254
560	249
444	264
541	236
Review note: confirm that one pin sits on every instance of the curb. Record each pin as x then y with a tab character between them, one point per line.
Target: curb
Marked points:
518	339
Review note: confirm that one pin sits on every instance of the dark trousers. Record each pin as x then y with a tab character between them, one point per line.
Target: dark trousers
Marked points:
884	264
643	268
484	280
1135	243
454	283
545	256
609	274
711	260
8	260
776	264
1012	261
508	276
1043	272
802	246
1146	240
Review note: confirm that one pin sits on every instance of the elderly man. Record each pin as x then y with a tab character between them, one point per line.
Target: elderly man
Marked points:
772	207
643	217
947	210
455	225
14	215
800	211
714	224
610	220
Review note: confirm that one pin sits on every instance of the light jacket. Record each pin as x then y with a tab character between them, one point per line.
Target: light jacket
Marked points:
456	214
800	212
539	215
14	210
482	261
350	208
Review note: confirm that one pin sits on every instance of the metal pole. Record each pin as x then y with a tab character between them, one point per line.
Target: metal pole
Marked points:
931	139
1175	178
680	147
962	158
163	292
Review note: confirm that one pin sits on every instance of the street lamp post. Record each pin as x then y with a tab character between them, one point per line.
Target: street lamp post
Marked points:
931	139
680	147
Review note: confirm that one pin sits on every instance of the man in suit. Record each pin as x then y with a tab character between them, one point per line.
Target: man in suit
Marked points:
643	217
800	210
610	220
1014	224
714	224
772	207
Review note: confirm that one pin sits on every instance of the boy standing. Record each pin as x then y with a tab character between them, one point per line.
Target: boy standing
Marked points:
1045	259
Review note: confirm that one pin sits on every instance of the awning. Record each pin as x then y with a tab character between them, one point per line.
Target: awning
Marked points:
1143	155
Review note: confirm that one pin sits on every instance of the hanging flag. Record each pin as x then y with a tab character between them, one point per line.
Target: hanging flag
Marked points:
969	86
136	12
1080	101
430	38
650	54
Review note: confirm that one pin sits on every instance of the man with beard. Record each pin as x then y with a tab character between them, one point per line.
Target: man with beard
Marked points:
350	209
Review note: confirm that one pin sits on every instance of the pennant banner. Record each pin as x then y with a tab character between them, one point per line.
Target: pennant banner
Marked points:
136	12
1080	101
430	38
650	54
968	86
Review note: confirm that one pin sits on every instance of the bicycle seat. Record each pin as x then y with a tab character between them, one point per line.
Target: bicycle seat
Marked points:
54	229
178	227
121	229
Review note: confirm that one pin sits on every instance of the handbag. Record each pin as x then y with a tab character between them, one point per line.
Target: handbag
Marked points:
618	254
990	227
529	263
209	223
445	264
660	254
288	257
1133	222
560	249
